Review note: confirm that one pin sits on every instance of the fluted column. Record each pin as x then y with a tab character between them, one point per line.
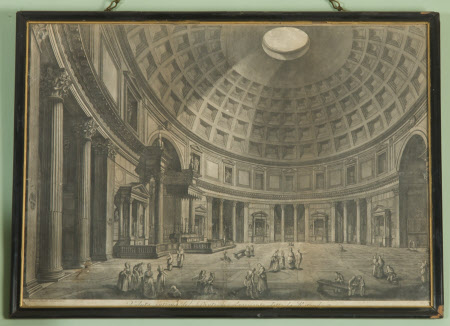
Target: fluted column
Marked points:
345	222
272	223
282	222
209	203
306	222
233	219
246	218
121	228
295	223
396	216
146	224
55	83
191	215
85	130
160	214
369	221
358	222
221	219
103	176
130	219
333	222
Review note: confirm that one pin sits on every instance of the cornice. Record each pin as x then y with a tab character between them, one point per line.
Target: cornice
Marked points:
358	192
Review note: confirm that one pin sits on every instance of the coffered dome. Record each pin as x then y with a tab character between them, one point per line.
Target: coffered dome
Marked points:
348	87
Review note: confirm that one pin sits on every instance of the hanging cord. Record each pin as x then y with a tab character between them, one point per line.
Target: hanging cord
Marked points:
336	5
112	5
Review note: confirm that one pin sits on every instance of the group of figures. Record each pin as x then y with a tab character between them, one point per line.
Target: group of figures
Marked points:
379	271
179	259
138	281
205	282
355	286
248	252
279	261
256	282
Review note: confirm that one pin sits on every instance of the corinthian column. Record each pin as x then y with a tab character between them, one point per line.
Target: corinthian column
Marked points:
160	205
55	83
85	129
220	218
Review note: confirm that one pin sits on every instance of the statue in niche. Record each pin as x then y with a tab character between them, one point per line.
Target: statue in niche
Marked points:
194	165
228	175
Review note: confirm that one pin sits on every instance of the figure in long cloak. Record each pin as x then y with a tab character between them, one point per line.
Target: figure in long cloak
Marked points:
124	281
274	263
298	259
149	283
282	260
169	262
374	266
291	259
379	271
136	277
180	257
209	284
160	280
249	284
262	280
252	251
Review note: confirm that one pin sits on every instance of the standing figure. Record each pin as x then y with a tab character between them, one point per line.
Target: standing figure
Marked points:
262	280
249	284
149	283
169	262
160	280
362	286
298	259
274	262
339	279
374	264
291	259
379	272
180	257
136	277
209	284
282	260
124	281
252	251
425	272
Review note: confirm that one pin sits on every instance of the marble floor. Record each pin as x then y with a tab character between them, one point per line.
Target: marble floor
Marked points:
320	261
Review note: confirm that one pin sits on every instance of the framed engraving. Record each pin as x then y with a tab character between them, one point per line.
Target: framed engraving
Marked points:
227	165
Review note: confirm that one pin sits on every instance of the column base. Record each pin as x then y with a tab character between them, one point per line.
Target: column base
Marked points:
101	257
51	276
31	288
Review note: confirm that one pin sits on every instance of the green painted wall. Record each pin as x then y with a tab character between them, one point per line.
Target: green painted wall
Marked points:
8	10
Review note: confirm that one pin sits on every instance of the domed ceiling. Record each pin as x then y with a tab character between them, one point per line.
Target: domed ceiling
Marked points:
352	84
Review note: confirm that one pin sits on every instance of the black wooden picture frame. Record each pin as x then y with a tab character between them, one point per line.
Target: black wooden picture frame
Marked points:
435	310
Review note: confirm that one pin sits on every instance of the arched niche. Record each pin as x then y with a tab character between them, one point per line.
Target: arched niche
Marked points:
413	193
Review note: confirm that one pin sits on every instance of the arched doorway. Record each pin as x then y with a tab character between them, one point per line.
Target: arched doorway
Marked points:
413	194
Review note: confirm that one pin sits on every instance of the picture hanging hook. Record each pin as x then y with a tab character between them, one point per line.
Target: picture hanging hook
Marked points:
336	5
112	5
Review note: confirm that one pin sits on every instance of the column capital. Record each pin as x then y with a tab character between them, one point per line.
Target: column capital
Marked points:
306	206
272	206
104	147
86	128
221	200
246	205
55	82
233	203
209	199
368	200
